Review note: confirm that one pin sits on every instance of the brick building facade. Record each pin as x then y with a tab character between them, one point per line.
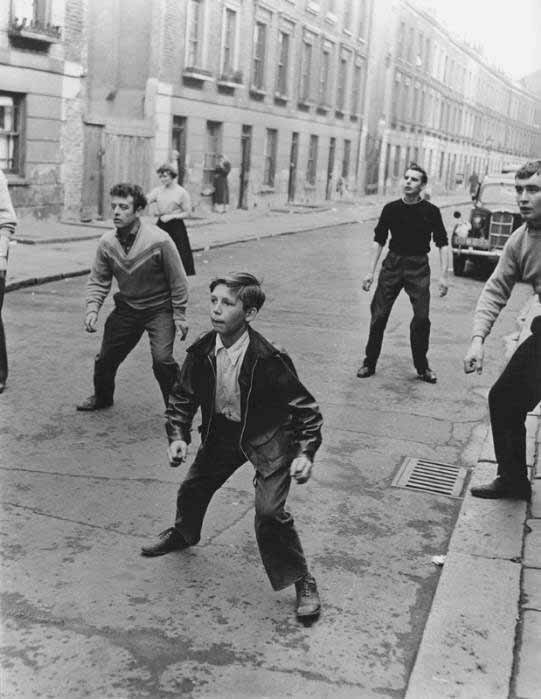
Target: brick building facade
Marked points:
42	59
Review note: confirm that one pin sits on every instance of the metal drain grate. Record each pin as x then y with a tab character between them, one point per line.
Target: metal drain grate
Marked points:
431	476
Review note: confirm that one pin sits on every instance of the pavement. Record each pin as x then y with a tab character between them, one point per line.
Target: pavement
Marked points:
482	639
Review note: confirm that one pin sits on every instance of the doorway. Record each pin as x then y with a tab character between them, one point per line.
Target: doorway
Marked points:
178	142
245	157
330	167
293	158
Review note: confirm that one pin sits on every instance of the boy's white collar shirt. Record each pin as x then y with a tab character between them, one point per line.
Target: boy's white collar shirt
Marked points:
228	363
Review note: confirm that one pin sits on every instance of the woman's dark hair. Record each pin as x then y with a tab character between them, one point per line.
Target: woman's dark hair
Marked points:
245	285
126	189
533	167
167	167
418	168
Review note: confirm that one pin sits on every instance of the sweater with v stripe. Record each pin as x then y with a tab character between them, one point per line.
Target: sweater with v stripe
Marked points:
150	275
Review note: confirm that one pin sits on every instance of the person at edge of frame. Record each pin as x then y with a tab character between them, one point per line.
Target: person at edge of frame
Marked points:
152	296
411	221
254	408
8	222
518	389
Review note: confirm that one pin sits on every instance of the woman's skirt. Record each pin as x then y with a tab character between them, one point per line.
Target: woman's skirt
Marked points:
179	235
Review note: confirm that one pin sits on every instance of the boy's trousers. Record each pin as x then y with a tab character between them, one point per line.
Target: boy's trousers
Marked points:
411	273
122	331
515	393
279	544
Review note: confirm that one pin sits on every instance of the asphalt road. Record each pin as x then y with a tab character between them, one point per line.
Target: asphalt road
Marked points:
84	615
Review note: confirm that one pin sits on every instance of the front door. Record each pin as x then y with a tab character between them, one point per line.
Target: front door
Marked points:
245	156
179	145
330	168
93	173
293	157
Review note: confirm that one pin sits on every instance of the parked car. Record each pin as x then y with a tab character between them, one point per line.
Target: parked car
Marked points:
494	216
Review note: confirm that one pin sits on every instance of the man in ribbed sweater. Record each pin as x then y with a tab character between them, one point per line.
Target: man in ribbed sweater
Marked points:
152	296
518	390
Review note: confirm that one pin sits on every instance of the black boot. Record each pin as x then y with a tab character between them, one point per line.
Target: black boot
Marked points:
500	488
170	540
308	602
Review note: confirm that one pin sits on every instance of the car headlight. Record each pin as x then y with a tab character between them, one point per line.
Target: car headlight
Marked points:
477	222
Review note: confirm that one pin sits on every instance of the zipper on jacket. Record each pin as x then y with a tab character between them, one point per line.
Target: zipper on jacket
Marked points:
246	412
213	399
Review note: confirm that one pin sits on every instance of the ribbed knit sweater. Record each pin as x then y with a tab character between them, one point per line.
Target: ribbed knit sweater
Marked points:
148	276
520	262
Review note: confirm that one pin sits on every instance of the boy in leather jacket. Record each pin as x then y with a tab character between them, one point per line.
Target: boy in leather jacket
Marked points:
254	408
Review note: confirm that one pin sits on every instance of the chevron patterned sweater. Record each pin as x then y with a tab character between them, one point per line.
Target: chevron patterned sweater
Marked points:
148	276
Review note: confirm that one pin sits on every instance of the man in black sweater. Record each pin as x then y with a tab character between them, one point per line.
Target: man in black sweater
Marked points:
412	222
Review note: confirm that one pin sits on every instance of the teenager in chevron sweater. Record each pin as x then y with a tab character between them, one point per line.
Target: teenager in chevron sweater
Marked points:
152	296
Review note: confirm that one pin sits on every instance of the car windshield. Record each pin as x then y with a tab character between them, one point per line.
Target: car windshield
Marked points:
498	194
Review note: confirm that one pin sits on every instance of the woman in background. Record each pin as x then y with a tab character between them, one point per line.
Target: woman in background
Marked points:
172	204
221	185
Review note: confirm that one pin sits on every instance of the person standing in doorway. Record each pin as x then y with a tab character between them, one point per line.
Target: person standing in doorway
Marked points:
172	203
152	296
221	185
8	221
412	221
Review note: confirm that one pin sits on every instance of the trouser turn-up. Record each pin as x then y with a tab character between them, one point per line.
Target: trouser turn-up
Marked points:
279	544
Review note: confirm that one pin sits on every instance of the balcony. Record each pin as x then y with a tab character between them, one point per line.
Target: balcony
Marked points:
34	31
195	74
230	80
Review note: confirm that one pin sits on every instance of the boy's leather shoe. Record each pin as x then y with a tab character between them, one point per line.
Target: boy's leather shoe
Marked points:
308	602
92	403
427	375
499	488
170	540
365	371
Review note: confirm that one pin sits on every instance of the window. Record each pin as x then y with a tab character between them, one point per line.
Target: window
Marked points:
214	148
193	56
260	40
357	87
271	144
396	163
324	77
11	107
306	71
35	12
311	166
347	15
347	158
362	18
230	30
283	63
341	89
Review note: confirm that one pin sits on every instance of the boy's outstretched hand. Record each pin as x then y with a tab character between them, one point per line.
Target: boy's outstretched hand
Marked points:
176	452
301	468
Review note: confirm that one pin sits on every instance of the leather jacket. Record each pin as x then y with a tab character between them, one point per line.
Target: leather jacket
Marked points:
280	419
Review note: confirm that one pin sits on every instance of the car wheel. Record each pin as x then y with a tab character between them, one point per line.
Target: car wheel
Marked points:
459	262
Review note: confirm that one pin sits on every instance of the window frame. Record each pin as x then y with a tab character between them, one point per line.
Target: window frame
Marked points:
311	162
15	135
269	157
258	62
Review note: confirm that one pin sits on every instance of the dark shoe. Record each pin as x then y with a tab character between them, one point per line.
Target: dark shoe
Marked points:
427	375
170	540
308	602
365	371
92	403
2	386
521	490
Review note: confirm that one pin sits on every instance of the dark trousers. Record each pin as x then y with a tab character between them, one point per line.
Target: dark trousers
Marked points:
411	273
3	349
513	396
123	330
279	544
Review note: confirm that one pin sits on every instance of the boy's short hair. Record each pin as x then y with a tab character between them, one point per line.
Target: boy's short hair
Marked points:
125	190
418	168
245	285
529	169
167	167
